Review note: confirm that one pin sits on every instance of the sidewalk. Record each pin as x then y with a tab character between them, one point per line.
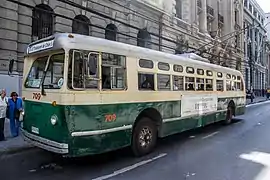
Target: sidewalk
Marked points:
12	145
256	100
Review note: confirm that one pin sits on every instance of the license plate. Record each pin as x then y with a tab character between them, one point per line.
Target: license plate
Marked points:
35	130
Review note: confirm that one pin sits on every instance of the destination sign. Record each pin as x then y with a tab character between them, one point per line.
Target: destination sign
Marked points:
40	46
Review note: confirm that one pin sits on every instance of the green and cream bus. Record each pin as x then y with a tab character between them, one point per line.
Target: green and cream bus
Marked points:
85	95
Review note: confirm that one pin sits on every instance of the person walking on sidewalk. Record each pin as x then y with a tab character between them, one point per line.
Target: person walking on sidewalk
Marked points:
14	110
3	111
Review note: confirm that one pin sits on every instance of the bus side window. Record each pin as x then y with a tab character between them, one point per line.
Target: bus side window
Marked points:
190	84
146	81
220	85
163	82
228	85
199	84
113	71
209	84
178	83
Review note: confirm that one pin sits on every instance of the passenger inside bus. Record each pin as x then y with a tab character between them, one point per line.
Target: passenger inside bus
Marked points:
148	83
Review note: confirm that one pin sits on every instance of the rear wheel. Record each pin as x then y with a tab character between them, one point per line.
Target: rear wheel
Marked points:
229	116
144	137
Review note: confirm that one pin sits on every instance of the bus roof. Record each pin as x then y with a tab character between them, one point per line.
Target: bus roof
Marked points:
77	41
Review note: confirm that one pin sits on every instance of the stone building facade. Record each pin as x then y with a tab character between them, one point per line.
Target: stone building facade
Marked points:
255	47
173	26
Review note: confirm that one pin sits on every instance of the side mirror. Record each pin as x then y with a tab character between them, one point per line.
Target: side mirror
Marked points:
10	66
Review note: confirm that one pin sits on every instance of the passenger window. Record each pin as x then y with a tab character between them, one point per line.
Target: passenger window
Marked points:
209	85
113	71
164	82
209	73
190	70
83	70
178	83
178	68
228	85
200	71
228	76
163	66
219	74
190	84
199	84
238	86
233	77
220	85
238	78
146	82
143	63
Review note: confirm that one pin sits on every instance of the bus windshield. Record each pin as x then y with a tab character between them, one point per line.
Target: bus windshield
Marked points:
52	77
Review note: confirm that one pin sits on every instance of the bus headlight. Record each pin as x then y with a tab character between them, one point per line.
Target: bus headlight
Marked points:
54	119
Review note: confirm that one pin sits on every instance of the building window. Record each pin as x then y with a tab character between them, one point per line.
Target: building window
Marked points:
163	82
42	21
80	25
111	32
144	38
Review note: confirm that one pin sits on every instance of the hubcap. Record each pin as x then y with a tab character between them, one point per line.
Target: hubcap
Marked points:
145	137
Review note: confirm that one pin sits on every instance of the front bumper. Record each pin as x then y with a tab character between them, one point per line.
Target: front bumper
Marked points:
52	146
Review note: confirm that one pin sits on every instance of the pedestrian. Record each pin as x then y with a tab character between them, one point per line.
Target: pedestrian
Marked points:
3	111
14	110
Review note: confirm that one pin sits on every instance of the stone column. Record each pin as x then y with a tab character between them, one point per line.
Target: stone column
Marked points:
203	18
194	12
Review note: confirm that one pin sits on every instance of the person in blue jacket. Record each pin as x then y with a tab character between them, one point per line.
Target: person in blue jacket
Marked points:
14	109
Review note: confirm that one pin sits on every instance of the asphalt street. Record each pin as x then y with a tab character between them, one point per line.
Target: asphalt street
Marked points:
240	151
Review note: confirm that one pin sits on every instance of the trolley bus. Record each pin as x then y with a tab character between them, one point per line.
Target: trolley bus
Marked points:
85	95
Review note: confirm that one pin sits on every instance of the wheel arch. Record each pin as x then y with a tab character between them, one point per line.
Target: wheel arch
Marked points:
152	114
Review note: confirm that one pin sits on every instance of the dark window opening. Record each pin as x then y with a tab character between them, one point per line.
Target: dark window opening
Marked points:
80	25
111	32
146	81
42	22
144	38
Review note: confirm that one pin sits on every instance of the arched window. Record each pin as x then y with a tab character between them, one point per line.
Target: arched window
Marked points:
144	38
80	25
111	32
42	21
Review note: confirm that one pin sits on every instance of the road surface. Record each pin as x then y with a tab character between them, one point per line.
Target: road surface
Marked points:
240	151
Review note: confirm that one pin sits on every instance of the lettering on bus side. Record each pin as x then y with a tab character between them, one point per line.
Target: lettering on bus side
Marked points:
37	96
110	117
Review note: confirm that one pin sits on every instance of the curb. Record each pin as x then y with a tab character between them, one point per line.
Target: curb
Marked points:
258	102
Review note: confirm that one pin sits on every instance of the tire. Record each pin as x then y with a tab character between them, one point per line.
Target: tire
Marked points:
229	116
144	137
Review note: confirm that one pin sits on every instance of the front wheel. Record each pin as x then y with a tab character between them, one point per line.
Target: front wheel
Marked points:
144	137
